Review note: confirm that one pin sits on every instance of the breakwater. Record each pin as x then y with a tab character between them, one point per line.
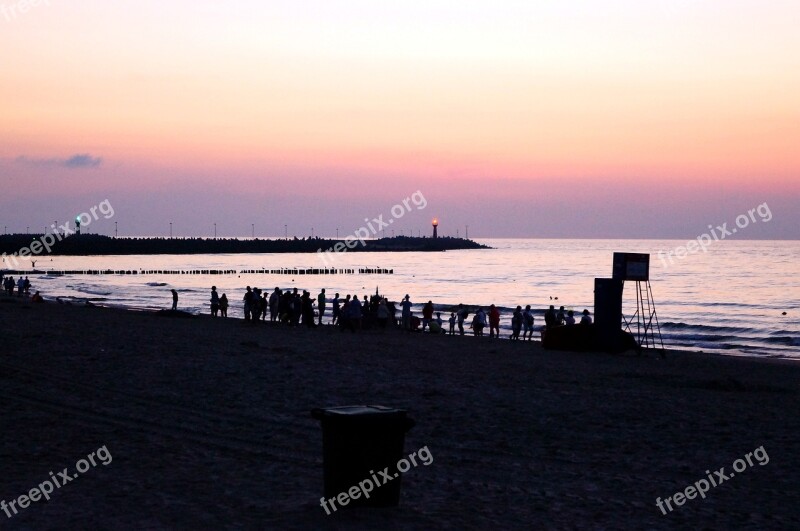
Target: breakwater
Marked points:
29	245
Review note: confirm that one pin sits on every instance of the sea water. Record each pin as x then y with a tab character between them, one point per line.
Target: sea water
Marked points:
728	299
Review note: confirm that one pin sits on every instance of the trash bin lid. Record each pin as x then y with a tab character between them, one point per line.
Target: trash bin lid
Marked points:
357	411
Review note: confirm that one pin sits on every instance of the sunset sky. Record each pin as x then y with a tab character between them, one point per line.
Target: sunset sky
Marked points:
623	119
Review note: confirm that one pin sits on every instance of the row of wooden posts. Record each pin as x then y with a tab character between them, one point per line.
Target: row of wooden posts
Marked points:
281	271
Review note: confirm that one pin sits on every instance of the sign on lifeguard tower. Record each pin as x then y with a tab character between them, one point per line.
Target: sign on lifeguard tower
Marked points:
631	266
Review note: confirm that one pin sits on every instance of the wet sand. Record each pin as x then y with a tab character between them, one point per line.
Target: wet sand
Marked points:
207	422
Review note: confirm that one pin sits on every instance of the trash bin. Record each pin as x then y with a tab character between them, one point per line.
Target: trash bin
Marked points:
358	442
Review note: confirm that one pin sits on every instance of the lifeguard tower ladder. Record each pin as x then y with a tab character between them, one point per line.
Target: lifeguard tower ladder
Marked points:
635	268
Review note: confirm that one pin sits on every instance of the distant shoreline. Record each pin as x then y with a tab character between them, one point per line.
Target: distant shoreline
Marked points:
95	244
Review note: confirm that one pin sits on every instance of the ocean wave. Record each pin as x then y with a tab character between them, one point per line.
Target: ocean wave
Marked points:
89	290
707	337
703	345
156	284
710	345
669	325
727	304
784	340
782	332
742	347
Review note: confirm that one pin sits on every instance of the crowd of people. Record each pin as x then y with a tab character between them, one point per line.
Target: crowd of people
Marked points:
293	307
23	285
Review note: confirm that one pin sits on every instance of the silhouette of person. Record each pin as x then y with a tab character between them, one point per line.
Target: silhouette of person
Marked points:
527	323
174	299
321	304
427	314
274	300
383	313
516	323
479	322
494	321
406	305
214	301
354	313
248	303
223	305
550	317
462	316
307	309
336	310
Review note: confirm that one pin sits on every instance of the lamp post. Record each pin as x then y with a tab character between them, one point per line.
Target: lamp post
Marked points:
253	230
215	230
170	230
116	233
286	232
435	224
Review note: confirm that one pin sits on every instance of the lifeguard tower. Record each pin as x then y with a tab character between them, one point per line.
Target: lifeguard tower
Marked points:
635	268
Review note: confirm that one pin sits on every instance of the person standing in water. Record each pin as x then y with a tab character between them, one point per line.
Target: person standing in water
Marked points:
174	299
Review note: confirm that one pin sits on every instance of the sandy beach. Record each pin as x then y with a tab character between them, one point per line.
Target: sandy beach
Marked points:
207	425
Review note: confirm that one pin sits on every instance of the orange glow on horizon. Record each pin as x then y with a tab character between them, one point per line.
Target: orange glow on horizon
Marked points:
362	92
